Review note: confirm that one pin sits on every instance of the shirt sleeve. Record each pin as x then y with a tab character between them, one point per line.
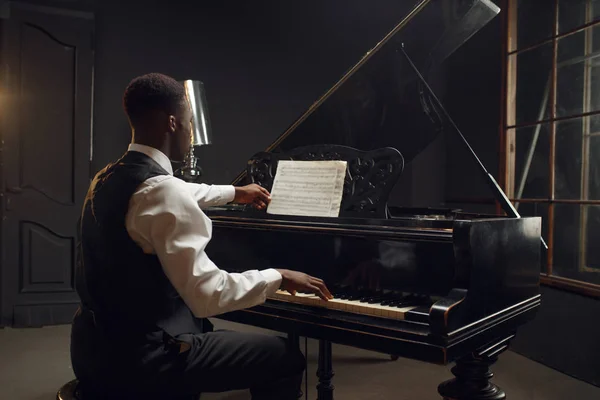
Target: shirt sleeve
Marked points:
211	195
168	221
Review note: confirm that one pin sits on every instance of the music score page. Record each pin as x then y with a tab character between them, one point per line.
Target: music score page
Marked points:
308	188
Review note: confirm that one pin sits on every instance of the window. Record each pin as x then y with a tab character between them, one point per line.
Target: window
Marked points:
552	131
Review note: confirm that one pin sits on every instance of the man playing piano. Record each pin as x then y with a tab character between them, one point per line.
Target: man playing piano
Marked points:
145	280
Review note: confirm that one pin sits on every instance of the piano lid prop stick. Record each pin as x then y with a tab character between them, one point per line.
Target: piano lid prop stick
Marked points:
502	198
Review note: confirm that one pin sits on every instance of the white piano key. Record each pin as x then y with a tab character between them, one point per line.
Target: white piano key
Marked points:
352	306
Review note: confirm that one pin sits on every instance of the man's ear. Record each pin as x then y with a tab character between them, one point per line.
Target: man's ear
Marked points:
172	123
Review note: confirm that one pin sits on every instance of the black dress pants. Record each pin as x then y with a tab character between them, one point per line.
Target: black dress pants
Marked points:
226	360
215	362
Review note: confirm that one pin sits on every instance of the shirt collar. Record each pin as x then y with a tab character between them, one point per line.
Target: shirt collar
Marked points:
154	154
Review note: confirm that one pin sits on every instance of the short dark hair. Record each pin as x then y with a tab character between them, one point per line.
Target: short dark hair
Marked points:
150	93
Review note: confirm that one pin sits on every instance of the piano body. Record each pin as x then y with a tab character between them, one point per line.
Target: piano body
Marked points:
437	285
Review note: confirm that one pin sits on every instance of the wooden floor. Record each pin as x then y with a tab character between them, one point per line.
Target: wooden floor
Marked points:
35	362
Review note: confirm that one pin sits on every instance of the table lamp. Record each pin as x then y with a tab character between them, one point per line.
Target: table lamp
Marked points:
201	129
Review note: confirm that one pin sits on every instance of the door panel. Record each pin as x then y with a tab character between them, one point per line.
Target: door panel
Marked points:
53	123
48	60
50	250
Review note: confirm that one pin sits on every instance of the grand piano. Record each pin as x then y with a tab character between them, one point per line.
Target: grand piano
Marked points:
439	285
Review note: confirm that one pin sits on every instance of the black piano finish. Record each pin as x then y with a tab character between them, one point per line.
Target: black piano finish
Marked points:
477	274
474	269
481	272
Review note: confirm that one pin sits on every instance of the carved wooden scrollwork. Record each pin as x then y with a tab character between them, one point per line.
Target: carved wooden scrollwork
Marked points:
370	175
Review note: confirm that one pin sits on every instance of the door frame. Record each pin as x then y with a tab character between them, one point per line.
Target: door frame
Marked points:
7	10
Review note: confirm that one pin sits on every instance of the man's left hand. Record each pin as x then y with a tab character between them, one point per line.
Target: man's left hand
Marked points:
253	194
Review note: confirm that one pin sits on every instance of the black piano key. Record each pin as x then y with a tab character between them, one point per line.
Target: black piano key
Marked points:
402	301
368	298
375	300
380	298
358	295
390	298
408	301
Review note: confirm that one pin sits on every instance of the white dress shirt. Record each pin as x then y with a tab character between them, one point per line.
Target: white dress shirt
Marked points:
165	218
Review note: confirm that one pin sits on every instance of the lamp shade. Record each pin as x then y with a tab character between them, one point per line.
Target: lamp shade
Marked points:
201	128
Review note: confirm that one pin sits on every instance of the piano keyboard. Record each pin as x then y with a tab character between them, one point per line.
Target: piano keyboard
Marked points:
353	306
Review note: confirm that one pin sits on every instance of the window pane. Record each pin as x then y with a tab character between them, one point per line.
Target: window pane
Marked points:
577	164
576	253
573	58
595	40
572	13
533	77
592	191
592	259
566	239
568	162
537	210
570	75
534	21
532	163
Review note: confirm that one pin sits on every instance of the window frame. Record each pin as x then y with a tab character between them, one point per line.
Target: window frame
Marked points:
509	126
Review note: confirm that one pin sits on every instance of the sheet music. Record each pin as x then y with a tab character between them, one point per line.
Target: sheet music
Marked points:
308	188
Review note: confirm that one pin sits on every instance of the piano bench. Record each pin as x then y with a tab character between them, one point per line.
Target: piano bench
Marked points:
69	391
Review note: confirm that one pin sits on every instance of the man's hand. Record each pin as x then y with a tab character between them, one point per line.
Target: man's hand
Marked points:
252	194
294	281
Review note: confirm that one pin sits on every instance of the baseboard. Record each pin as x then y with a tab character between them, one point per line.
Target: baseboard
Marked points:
38	315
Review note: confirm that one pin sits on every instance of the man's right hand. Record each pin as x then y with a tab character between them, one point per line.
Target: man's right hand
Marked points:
252	194
294	281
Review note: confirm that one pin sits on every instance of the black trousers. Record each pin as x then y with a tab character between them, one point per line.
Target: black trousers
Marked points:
216	361
226	360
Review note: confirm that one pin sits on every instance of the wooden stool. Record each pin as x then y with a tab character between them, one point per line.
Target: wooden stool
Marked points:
68	391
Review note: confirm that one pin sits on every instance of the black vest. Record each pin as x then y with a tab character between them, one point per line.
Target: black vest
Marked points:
126	289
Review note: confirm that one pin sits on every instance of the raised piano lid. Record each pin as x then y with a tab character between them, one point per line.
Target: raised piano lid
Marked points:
390	97
380	102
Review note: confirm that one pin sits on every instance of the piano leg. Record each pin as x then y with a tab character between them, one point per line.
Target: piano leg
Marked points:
473	375
472	381
325	371
294	342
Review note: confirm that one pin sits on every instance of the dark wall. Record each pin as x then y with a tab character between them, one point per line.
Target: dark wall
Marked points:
564	335
263	63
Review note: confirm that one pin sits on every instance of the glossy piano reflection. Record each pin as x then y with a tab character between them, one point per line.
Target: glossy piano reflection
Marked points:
355	262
